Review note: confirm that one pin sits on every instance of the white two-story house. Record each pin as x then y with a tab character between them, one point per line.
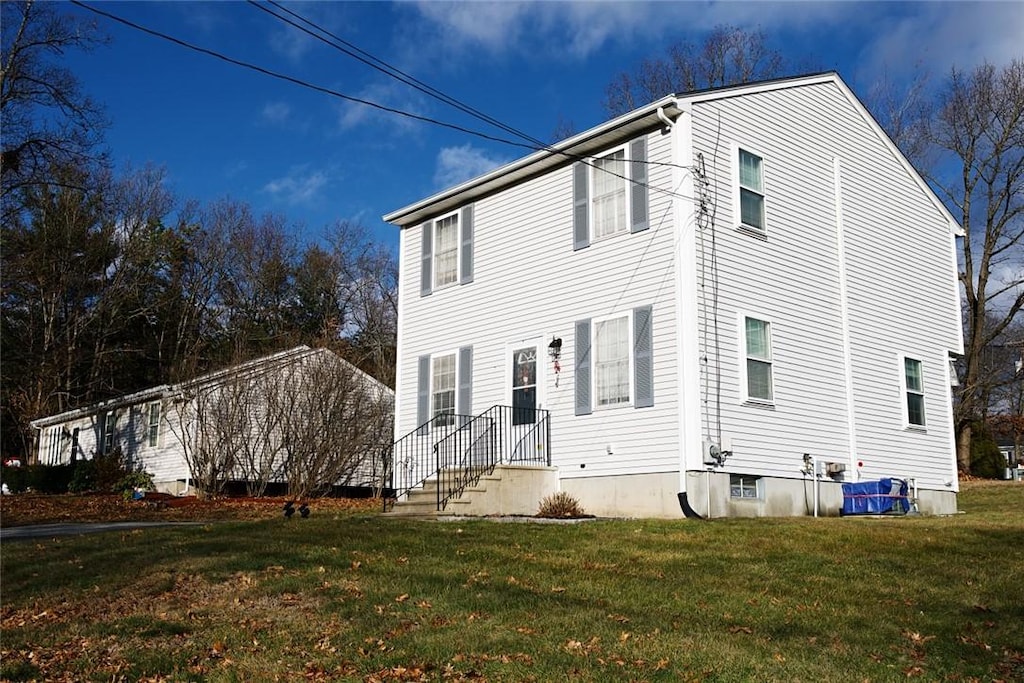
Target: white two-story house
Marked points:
727	302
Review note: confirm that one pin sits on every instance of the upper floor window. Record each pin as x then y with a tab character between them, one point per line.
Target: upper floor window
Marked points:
758	339
913	390
751	190
610	194
446	250
153	428
608	207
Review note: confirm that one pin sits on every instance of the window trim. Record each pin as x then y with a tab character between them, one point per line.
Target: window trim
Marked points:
905	393
737	194
592	194
435	271
745	357
630	353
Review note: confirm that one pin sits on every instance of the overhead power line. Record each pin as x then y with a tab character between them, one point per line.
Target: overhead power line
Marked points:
390	70
296	81
369	103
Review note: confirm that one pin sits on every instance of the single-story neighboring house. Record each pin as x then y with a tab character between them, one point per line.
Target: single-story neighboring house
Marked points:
303	417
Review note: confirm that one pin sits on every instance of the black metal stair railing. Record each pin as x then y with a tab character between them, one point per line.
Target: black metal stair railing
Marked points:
457	450
501	434
410	461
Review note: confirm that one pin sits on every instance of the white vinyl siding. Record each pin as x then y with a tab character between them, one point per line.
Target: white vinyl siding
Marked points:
612	351
608	206
758	341
531	284
442	388
895	303
446	250
913	392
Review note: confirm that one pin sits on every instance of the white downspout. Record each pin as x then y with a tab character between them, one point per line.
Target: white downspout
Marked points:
684	212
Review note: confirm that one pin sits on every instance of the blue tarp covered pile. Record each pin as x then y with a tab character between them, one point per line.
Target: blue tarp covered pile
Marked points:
875	497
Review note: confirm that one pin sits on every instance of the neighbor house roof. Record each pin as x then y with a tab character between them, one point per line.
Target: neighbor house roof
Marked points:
171	390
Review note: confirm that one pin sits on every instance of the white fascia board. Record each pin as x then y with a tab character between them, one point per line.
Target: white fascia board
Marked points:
144	396
558	154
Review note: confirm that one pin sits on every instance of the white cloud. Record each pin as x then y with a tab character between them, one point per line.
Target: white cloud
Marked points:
300	186
276	112
389	94
458	164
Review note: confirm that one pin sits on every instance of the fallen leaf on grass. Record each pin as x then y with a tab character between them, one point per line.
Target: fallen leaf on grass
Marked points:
740	629
402	598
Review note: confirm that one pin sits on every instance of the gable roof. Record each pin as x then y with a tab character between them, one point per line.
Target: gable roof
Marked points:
262	364
661	112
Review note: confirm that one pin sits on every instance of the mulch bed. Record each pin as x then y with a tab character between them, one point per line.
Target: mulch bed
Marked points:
32	508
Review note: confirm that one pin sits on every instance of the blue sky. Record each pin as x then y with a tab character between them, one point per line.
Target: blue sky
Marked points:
223	131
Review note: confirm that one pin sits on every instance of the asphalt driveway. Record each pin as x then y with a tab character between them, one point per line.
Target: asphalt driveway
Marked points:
78	528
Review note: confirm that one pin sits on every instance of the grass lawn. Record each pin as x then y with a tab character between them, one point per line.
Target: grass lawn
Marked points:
359	597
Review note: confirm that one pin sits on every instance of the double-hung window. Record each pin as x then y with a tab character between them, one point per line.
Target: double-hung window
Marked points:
446	256
153	426
913	390
608	206
751	190
446	251
758	339
611	361
614	361
442	389
610	194
108	432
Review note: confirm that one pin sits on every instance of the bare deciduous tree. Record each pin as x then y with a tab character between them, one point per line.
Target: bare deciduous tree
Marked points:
48	122
335	422
977	135
727	56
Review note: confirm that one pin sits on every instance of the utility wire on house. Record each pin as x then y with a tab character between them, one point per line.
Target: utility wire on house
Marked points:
357	100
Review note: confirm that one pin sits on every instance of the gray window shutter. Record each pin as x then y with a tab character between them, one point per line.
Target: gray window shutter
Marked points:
466	226
643	358
583	361
638	186
580	201
423	395
464	396
427	262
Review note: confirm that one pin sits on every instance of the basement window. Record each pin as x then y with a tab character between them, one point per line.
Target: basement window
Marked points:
744	486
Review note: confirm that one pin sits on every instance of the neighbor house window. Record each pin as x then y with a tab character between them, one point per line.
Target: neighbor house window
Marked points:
442	389
609	196
446	250
751	190
913	389
759	359
611	361
744	486
153	430
108	431
52	441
